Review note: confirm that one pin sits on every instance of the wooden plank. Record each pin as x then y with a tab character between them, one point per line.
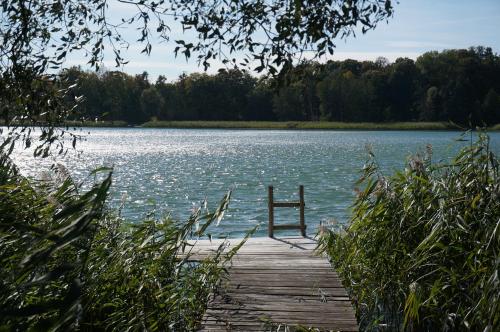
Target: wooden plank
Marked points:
325	283
273	242
254	297
320	308
280	276
302	257
258	317
306	273
220	326
264	320
281	318
276	241
282	279
277	281
296	291
299	265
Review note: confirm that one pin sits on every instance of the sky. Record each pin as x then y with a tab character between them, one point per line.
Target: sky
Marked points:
417	26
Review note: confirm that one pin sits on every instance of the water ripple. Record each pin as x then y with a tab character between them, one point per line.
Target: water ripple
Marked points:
173	170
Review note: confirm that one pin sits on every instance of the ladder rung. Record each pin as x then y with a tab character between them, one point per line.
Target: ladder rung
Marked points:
286	204
300	204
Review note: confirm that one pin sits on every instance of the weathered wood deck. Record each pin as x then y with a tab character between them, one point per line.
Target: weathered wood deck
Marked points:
277	281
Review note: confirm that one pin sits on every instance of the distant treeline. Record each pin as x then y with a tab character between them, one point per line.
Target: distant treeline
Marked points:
458	85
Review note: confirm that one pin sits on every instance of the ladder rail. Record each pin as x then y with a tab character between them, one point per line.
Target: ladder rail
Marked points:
300	204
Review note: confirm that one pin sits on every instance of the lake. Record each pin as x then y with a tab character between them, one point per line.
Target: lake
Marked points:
171	171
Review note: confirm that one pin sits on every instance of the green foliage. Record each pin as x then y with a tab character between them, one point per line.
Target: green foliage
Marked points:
45	235
69	263
345	91
344	97
491	106
288	102
37	37
322	125
421	252
272	33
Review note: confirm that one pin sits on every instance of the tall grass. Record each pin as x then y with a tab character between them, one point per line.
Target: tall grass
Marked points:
421	252
320	125
68	263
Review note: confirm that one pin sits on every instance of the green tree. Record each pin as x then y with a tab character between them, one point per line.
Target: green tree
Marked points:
91	86
329	93
288	102
491	107
306	75
402	85
151	102
463	78
232	90
432	105
260	102
168	94
377	81
344	97
37	37
376	91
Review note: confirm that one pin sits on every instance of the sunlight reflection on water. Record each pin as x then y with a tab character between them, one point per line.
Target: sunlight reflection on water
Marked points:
174	170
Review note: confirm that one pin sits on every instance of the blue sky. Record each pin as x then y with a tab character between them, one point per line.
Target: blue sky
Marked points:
417	26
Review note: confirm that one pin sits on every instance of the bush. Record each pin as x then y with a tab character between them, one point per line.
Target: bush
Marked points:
70	263
421	252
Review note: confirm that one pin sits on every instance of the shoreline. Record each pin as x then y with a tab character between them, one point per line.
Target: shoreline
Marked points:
298	125
293	125
278	125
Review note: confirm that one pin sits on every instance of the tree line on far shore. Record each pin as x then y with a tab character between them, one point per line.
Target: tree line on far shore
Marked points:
459	85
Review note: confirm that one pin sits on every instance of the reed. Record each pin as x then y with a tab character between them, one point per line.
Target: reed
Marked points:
421	252
71	263
309	125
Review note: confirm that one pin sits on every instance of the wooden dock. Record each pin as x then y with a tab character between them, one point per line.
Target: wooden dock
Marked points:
277	281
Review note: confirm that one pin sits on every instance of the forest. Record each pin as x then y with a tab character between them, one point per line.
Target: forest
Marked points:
458	85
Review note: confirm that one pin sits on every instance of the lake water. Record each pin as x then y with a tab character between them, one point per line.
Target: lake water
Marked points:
174	170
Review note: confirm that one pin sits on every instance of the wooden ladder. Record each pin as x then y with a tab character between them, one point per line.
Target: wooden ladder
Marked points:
300	204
